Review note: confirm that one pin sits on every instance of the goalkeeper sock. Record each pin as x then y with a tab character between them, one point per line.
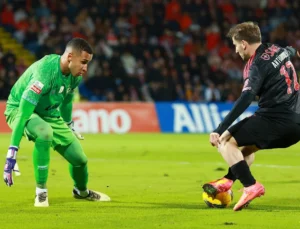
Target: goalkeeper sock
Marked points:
41	159
242	172
78	168
79	174
82	193
40	190
230	175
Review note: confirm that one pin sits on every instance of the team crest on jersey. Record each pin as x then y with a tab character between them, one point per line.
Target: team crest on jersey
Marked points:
61	89
37	87
265	56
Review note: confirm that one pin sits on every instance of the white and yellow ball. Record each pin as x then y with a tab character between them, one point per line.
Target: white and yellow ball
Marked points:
221	200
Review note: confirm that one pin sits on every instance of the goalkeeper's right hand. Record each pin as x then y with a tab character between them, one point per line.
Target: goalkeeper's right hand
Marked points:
76	133
10	166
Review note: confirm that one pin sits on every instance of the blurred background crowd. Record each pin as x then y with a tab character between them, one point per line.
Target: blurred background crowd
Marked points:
147	50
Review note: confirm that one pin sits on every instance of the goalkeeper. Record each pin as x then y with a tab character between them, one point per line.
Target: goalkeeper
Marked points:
40	107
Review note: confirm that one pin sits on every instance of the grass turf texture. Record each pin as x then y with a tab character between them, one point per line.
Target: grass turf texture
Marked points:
154	181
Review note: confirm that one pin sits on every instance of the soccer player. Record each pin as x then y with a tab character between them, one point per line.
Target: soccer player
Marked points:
270	75
40	107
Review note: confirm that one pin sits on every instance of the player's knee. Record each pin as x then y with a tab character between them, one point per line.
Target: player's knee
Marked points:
82	161
45	133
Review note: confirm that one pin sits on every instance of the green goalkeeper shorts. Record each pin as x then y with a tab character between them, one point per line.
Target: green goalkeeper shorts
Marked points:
62	134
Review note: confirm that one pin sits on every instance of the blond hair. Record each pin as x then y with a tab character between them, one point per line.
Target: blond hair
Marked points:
247	31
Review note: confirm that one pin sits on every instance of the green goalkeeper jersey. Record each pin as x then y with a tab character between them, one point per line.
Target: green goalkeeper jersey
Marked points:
44	86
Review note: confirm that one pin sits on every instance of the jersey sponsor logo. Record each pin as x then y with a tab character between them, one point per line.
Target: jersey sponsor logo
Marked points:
61	89
37	87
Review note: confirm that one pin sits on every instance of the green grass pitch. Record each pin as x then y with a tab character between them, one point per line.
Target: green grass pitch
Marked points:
154	181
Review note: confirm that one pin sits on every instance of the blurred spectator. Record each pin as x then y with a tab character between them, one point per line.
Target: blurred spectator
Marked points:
7	17
212	94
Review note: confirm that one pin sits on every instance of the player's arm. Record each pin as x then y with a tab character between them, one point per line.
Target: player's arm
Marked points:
25	111
251	87
66	113
239	107
28	101
292	51
66	109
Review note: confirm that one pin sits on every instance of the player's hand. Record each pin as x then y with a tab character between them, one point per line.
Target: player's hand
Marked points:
77	134
214	139
225	137
10	165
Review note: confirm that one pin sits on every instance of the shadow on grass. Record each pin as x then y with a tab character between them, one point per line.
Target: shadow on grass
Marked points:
152	205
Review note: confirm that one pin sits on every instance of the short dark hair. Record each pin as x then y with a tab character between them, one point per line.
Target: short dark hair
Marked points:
248	31
80	45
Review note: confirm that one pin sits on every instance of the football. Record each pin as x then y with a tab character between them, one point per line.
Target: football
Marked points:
221	200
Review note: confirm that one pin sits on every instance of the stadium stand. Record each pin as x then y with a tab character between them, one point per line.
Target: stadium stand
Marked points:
145	50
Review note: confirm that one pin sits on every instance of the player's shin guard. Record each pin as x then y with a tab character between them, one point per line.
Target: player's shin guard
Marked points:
41	159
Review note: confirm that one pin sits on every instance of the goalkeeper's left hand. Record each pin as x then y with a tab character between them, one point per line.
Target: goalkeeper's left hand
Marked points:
11	166
77	134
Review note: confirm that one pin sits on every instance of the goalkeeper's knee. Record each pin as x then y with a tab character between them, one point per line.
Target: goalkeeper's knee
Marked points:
80	161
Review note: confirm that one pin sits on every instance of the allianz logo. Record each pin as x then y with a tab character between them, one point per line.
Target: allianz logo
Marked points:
200	118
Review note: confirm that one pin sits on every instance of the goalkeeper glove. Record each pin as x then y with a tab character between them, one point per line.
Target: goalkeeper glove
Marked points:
77	134
10	166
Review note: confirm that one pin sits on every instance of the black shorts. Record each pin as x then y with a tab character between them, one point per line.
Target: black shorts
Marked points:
265	133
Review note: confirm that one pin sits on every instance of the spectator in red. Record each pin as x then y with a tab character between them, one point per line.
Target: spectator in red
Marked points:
7	17
185	21
213	37
173	11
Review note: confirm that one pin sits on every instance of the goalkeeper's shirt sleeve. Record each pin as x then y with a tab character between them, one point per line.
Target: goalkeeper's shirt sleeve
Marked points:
66	108
39	85
25	111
